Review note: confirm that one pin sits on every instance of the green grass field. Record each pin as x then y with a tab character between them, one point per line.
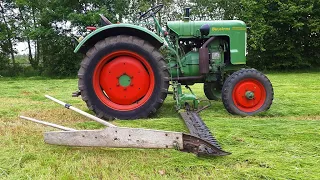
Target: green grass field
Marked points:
283	143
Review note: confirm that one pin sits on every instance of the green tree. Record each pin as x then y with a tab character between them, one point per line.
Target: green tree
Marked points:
4	48
283	34
8	27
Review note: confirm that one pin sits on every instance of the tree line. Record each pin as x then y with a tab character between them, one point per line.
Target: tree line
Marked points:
282	34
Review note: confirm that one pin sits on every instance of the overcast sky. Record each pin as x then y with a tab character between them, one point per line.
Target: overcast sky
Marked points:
22	48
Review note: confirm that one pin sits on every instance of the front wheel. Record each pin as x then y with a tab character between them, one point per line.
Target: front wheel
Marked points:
247	92
212	90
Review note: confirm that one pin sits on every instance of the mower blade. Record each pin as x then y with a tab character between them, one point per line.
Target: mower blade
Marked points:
199	129
201	147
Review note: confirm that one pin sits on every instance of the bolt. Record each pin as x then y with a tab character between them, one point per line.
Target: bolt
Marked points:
250	95
118	84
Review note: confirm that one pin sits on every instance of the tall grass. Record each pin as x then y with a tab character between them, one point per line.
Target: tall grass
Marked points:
283	143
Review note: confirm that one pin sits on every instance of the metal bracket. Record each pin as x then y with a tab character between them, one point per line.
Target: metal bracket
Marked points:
204	107
182	98
76	94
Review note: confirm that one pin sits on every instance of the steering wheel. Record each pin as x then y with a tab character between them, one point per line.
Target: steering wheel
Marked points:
151	11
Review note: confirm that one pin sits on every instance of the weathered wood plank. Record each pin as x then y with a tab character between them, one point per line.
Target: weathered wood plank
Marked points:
117	137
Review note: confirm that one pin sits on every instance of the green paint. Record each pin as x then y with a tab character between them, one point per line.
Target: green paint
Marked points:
189	65
182	98
180	63
106	29
190	62
234	29
124	80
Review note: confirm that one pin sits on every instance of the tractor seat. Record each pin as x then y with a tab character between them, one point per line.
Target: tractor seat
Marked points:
105	21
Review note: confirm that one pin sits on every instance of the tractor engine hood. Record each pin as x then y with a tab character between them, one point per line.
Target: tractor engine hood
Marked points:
189	29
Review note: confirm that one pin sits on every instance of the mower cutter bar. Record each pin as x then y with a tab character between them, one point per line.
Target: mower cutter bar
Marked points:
122	137
199	129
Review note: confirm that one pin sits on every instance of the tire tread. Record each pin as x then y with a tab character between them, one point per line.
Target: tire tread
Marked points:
162	68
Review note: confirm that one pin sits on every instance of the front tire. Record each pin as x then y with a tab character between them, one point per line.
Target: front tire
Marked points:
212	90
123	77
247	92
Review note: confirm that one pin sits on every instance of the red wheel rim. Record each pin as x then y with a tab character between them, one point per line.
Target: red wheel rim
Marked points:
123	80
249	95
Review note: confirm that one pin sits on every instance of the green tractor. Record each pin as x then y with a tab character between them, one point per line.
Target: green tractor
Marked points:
127	69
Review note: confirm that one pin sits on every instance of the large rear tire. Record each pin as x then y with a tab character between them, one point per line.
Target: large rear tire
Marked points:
247	92
123	77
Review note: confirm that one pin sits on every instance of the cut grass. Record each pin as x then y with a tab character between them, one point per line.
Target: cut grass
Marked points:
282	143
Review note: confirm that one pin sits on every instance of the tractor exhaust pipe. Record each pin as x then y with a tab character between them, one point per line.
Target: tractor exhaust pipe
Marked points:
204	56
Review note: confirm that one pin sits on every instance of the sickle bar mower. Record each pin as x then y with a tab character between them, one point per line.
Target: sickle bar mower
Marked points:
122	137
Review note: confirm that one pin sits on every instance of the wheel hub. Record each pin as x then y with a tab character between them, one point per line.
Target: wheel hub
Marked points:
124	80
249	95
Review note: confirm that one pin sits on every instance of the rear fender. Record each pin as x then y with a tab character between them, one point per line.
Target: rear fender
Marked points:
118	29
